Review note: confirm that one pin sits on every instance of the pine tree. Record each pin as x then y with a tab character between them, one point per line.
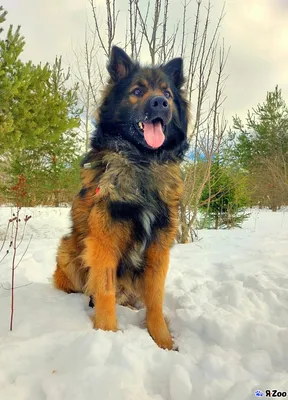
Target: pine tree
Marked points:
265	133
261	148
10	79
48	160
3	14
225	197
38	117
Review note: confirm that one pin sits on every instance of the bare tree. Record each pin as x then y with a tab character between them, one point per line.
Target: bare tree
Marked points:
207	60
136	36
161	46
112	14
15	237
209	125
269	181
89	73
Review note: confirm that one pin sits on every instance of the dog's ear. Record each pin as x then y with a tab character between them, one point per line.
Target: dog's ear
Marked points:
120	64
174	69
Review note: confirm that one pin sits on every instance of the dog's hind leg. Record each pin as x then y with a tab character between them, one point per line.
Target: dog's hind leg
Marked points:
62	282
65	270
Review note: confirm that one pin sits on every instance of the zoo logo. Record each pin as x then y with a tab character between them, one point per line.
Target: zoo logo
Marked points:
270	393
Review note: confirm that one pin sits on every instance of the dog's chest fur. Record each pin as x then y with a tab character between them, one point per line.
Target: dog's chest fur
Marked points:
142	195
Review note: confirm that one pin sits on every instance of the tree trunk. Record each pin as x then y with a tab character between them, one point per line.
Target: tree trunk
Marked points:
217	221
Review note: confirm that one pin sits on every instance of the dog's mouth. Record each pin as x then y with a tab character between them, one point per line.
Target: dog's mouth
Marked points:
153	132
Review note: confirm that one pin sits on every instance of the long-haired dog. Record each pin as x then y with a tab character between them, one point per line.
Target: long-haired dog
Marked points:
124	219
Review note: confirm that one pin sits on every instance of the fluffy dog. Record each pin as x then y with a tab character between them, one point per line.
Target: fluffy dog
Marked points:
125	217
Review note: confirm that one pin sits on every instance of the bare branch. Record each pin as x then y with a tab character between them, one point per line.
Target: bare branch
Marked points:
194	46
164	30
5	236
97	27
25	251
16	287
157	10
185	5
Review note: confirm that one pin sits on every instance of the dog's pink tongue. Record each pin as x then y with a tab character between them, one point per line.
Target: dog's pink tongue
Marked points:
153	134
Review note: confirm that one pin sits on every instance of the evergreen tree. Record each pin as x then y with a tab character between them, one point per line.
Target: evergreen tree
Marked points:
265	133
48	160
10	80
225	197
38	117
261	148
3	14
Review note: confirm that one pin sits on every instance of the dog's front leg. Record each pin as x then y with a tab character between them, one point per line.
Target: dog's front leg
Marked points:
102	284
103	247
154	283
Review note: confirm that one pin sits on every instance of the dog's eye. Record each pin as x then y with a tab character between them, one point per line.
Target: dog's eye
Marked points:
167	94
138	92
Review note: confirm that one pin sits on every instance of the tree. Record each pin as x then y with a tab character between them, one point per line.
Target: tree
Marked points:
39	115
261	148
266	131
10	80
89	75
3	14
225	197
48	161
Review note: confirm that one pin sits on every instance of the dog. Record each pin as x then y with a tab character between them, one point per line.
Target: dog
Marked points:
125	217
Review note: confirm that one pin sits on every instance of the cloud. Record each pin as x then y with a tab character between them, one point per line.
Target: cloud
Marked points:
50	27
256	30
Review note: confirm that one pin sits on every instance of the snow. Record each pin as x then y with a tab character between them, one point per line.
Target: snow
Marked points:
226	302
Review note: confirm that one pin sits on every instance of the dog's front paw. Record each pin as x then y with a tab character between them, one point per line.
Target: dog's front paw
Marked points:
159	331
106	324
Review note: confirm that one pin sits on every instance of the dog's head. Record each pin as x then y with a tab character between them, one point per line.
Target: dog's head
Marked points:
144	106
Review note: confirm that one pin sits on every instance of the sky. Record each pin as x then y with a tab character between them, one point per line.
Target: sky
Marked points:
255	30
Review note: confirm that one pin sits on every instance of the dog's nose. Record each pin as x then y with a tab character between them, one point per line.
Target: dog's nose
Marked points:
159	103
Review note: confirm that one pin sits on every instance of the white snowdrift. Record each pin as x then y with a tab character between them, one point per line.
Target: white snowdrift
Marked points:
226	299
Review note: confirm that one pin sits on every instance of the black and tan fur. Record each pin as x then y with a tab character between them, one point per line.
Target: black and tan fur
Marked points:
125	216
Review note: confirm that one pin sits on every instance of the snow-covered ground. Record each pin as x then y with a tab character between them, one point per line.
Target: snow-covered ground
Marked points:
226	299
